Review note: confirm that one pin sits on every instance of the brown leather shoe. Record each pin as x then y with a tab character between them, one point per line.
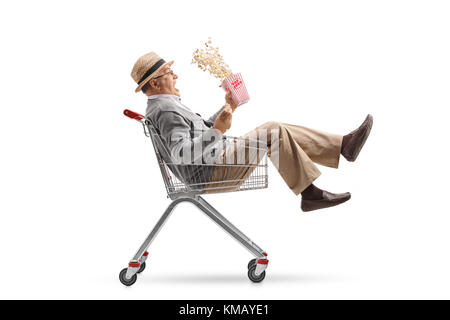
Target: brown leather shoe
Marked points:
328	200
358	138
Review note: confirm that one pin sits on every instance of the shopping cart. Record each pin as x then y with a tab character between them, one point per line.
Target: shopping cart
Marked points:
253	175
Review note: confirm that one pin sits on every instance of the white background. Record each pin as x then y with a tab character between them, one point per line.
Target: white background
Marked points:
80	186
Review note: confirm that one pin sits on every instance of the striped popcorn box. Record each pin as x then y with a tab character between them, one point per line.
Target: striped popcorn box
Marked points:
235	84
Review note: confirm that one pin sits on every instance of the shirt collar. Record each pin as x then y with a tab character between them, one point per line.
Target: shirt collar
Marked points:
171	96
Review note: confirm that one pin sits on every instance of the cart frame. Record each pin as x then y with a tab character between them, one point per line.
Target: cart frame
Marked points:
256	267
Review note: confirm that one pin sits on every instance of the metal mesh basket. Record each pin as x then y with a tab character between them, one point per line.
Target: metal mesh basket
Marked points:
247	169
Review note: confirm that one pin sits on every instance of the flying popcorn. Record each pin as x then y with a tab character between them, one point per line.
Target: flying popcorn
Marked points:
209	59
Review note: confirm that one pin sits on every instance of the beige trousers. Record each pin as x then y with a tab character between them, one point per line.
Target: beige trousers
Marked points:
292	149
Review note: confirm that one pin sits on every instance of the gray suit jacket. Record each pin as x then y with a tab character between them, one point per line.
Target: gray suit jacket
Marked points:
190	142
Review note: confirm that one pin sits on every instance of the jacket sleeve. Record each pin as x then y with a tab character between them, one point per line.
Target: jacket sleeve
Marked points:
181	146
212	119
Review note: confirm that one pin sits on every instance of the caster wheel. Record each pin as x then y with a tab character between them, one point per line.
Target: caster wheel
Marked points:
142	267
124	280
251	263
253	277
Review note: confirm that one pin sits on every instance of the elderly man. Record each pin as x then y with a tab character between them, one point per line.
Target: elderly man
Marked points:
298	148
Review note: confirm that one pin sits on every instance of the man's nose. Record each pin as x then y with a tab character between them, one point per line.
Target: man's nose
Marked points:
175	76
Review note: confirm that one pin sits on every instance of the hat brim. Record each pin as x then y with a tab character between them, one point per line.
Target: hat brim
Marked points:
152	75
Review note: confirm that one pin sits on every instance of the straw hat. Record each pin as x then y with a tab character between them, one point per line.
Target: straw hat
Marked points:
146	67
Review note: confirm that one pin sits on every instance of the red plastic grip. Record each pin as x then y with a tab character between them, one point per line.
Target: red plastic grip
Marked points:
133	115
134	264
265	261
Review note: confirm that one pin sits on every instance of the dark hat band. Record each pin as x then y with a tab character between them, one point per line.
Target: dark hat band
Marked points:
152	69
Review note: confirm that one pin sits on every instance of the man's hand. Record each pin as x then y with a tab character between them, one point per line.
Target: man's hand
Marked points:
223	120
230	101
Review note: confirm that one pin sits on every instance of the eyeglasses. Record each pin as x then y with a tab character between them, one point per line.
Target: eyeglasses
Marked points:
170	72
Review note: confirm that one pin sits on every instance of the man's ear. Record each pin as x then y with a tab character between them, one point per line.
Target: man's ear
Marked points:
154	84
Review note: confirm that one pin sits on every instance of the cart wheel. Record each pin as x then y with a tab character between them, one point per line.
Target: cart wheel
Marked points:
124	280
253	277
251	263
142	267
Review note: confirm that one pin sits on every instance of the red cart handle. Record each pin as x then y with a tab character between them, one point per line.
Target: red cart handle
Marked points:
133	115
